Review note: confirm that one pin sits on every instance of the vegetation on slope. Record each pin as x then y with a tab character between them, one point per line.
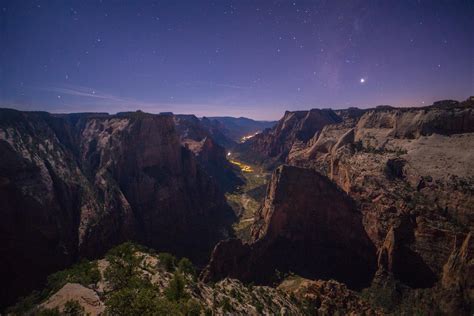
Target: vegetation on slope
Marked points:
133	280
246	199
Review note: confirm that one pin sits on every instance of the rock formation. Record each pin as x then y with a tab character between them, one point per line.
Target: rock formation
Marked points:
306	225
75	185
199	138
327	297
273	145
410	173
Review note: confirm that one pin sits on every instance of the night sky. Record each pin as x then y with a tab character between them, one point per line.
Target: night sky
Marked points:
238	58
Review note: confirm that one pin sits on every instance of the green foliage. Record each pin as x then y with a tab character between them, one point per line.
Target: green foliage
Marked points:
226	305
175	290
310	306
168	261
123	269
132	293
135	295
191	308
84	272
48	312
259	306
185	266
73	308
385	297
139	301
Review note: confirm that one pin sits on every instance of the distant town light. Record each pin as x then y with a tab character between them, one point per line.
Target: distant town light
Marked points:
228	154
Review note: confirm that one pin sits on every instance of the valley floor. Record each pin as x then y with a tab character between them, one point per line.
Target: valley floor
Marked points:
246	199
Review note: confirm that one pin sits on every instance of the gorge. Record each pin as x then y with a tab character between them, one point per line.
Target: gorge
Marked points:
376	204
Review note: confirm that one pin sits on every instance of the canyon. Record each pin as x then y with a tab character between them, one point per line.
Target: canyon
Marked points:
364	209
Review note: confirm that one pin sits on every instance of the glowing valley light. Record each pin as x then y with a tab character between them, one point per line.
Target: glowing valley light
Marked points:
245	138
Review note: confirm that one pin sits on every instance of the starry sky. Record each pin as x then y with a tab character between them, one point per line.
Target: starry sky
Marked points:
236	58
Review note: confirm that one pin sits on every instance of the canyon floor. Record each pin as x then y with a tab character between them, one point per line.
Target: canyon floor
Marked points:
247	198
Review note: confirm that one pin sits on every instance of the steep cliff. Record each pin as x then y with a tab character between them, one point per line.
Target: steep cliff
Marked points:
273	145
74	185
410	172
306	225
199	136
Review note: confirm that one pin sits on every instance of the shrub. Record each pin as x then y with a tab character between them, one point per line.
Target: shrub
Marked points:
168	261
123	269
226	305
192	308
48	312
175	290
139	301
84	272
185	266
73	308
259	306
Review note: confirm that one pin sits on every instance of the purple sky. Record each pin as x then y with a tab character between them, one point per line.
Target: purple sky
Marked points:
236	58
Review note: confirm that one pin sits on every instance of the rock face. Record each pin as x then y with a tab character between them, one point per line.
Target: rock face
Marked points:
327	297
273	145
86	297
410	173
74	185
306	225
200	139
457	281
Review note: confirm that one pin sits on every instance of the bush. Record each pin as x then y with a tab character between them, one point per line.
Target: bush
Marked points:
139	301
192	308
226	305
73	308
123	269
175	290
168	261
48	312
84	272
185	266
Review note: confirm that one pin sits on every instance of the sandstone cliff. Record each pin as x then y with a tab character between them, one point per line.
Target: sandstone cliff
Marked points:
306	225
201	138
74	185
273	145
409	172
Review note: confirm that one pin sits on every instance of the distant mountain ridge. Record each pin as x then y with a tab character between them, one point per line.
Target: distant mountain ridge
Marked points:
236	128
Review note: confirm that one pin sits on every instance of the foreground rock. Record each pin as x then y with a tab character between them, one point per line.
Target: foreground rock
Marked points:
327	297
154	285
85	297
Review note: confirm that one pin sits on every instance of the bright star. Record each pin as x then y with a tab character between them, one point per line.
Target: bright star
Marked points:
362	80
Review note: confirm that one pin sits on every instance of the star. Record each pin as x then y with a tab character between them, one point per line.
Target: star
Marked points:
362	80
